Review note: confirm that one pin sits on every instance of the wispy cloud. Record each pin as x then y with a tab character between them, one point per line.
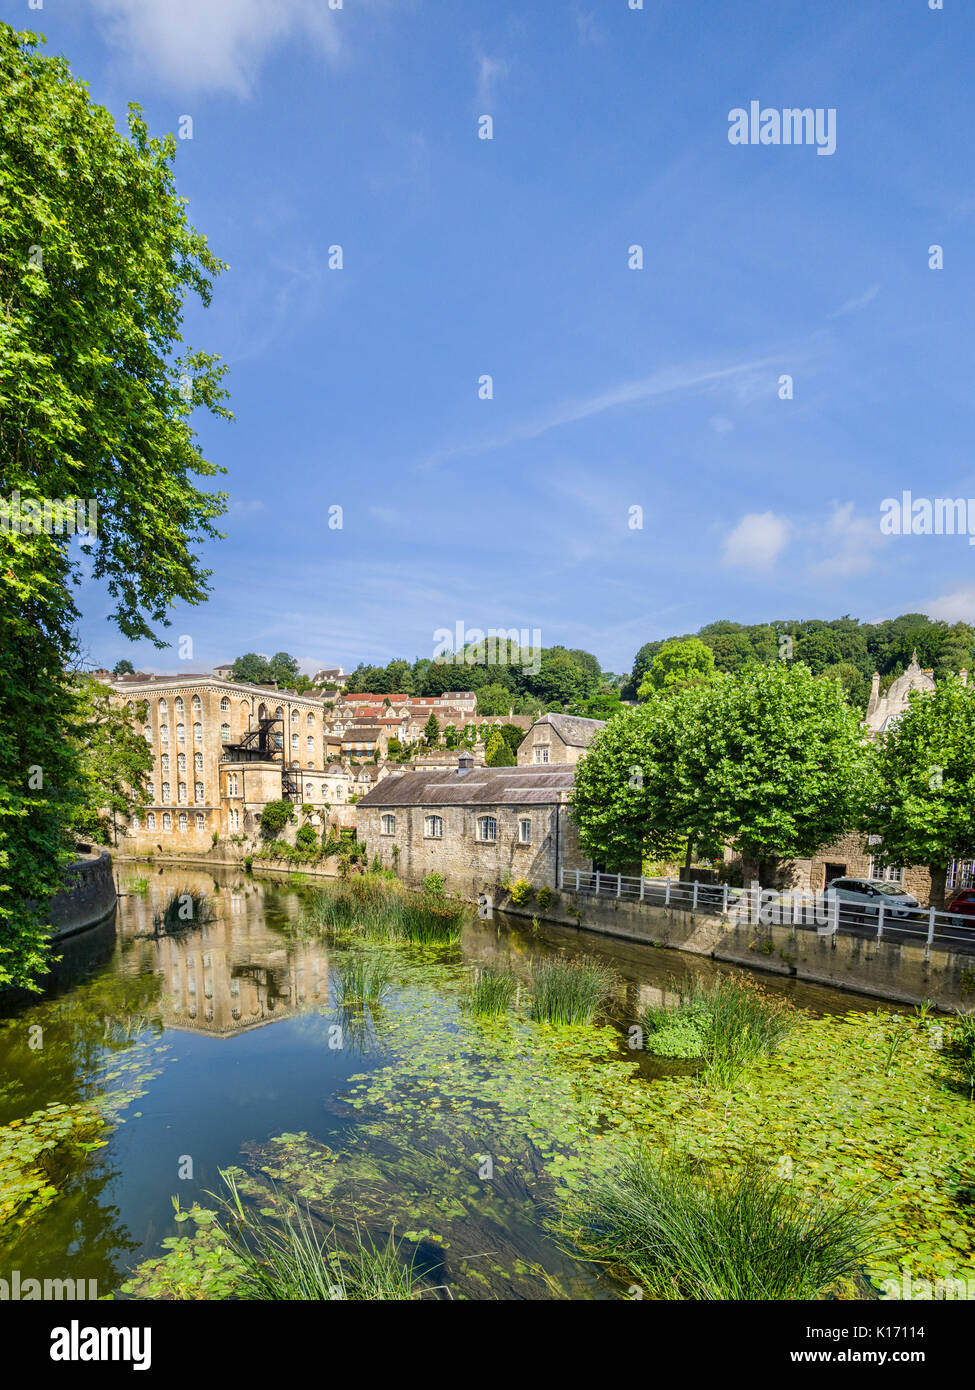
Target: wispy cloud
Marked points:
490	71
757	541
213	45
568	412
853	306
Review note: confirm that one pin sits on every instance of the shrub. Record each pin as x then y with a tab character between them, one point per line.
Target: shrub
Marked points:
544	897
306	840
249	863
275	817
184	910
434	886
683	1232
521	892
566	990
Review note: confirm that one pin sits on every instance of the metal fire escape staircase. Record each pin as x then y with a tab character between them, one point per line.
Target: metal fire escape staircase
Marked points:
258	746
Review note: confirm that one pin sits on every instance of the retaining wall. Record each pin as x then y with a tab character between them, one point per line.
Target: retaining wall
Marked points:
88	895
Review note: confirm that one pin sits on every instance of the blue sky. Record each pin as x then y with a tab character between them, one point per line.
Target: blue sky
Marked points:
613	388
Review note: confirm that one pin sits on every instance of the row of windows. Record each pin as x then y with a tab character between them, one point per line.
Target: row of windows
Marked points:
181	791
486	829
167	821
888	875
181	762
179	707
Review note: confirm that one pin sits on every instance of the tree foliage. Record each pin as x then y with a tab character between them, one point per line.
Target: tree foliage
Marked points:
96	392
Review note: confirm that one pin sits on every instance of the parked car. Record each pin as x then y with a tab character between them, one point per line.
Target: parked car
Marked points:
861	897
963	905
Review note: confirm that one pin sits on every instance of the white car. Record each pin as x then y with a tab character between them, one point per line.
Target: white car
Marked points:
863	896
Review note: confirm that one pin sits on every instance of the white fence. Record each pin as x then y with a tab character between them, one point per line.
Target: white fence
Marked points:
825	912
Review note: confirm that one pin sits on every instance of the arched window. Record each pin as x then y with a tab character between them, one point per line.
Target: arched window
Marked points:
309	791
433	827
310	719
130	709
294	716
225	705
182	821
178	704
196	704
294	742
262	711
279	712
389	825
200	821
151	820
135	822
148	733
163	733
182	792
167	821
163	707
324	792
198	791
181	762
310	743
165	791
225	733
197	733
180	733
197	762
487	829
164	760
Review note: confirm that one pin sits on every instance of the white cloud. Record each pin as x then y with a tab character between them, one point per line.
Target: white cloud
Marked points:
853	306
213	45
490	71
848	543
721	424
956	607
757	541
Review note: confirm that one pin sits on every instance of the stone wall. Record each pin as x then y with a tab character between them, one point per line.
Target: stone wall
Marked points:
88	895
854	854
890	970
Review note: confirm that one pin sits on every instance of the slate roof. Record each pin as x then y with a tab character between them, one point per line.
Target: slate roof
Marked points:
480	786
572	729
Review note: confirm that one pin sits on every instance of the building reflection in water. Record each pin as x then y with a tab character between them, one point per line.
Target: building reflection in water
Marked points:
233	973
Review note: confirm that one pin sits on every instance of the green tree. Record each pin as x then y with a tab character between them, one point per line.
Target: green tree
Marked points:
114	760
681	661
513	736
924	796
253	668
493	699
96	390
496	750
284	670
123	668
431	731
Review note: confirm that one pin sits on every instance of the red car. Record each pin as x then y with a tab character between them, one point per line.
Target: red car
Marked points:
963	903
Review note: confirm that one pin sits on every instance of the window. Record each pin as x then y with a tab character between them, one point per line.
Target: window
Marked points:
197	733
225	705
167	821
182	792
389	825
487	829
309	791
165	791
541	753
433	827
960	873
310	743
294	716
178	704
197	706
225	733
324	792
525	831
200	820
164	760
180	733
198	791
294	743
197	762
181	762
163	707
148	733
279	740
890	875
135	822
164	733
182	822
151	820
310	719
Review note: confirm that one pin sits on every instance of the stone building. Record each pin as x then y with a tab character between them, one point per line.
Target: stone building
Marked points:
884	710
479	827
557	738
222	750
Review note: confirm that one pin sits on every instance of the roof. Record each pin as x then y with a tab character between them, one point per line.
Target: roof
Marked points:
572	729
365	733
481	786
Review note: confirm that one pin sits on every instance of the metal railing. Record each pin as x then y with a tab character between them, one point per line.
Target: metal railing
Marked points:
823	912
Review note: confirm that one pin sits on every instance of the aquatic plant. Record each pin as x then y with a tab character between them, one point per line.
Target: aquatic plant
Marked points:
961	1047
569	989
728	1023
683	1231
184	910
364	979
491	991
375	908
137	885
291	1260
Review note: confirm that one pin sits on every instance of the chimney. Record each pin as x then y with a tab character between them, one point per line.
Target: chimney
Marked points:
465	762
874	700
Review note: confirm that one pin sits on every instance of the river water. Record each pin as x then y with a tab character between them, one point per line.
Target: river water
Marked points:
221	1043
